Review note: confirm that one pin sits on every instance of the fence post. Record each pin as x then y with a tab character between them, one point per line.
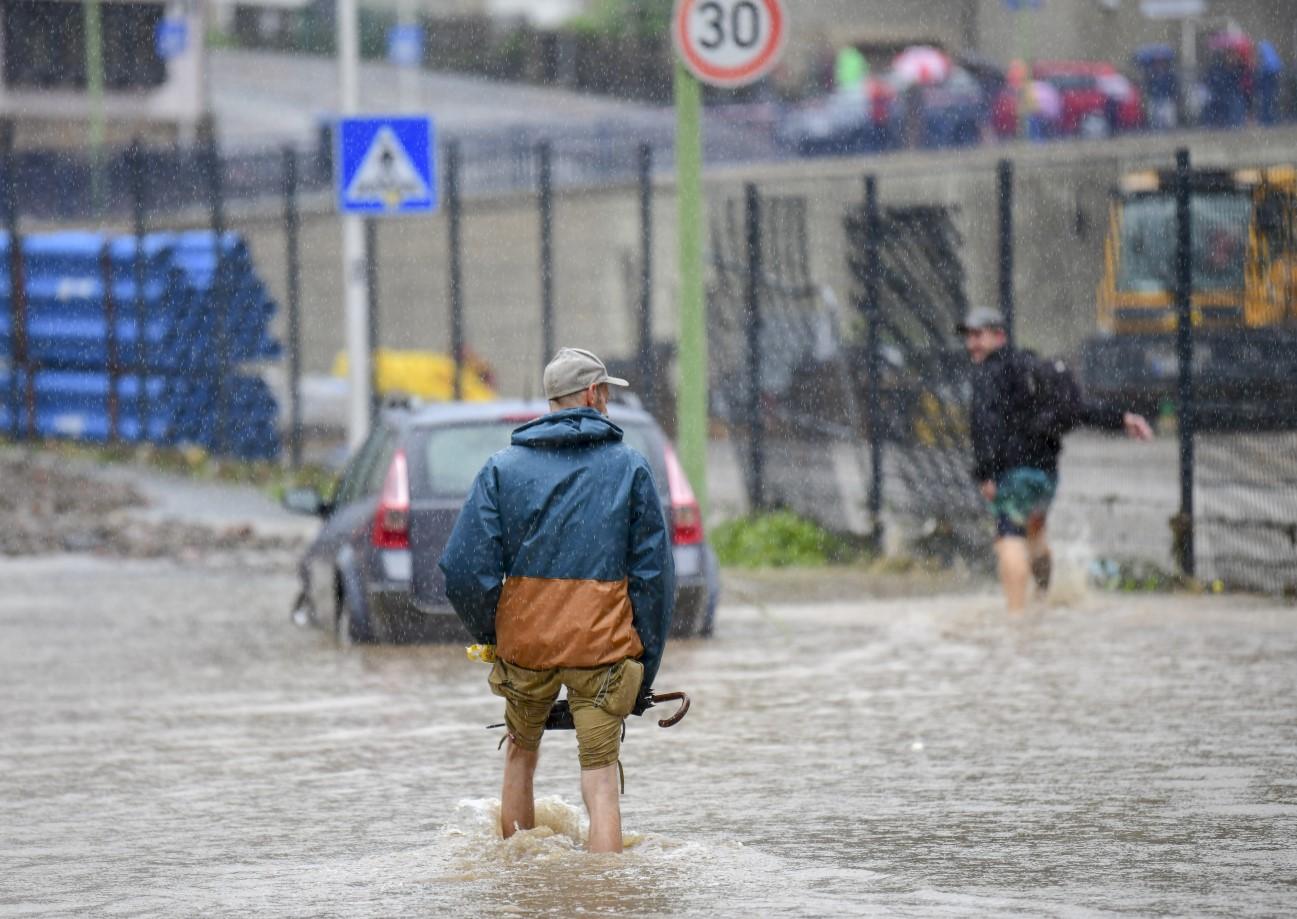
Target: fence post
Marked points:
112	362
371	295
220	302
456	272
19	356
647	372
1184	535
1004	182
752	300
544	154
294	265
140	362
873	368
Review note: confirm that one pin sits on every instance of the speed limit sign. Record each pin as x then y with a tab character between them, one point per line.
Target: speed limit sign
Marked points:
729	42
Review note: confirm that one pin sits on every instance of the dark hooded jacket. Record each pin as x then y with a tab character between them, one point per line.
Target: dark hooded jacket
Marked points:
1010	428
560	556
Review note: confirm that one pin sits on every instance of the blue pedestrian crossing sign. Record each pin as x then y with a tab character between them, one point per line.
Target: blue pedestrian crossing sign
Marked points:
386	166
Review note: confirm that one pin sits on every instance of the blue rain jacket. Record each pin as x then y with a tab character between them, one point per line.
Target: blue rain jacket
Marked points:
560	556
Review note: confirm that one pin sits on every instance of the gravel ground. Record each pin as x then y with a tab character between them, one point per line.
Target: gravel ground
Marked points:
49	504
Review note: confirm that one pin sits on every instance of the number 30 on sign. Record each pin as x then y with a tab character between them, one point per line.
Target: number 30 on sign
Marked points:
729	42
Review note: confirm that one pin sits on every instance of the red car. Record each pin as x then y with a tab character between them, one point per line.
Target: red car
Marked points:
1095	100
1096	97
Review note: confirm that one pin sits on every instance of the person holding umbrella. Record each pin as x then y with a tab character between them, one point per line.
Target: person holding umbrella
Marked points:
1157	62
1269	67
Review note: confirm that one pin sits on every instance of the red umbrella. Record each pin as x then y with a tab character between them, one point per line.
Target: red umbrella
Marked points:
1231	41
921	64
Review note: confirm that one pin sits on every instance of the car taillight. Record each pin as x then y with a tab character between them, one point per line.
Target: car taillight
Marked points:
686	524
391	528
686	517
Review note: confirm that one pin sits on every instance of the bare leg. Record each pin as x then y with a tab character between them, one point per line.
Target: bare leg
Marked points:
1015	571
1042	562
517	799
599	791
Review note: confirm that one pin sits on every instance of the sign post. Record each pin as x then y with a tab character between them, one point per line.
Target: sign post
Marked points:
384	168
355	298
725	43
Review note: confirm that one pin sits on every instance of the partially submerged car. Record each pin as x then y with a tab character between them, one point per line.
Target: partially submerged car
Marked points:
371	574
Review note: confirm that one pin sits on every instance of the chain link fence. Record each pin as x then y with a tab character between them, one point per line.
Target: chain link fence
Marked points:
857	417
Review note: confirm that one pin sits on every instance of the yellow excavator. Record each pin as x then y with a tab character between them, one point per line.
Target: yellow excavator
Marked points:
1244	297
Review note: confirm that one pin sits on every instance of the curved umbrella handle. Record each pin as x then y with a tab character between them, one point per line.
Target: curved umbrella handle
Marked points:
668	697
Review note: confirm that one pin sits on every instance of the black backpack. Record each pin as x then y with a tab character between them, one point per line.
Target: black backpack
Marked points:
1052	398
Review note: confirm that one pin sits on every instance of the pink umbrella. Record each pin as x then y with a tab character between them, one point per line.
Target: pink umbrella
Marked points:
921	64
1048	101
1115	86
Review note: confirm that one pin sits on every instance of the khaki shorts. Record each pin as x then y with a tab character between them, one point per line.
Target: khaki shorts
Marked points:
600	699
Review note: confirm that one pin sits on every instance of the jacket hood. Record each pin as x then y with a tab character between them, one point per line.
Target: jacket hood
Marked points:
570	427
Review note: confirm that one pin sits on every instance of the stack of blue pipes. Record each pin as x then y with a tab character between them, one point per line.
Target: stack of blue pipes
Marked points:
173	366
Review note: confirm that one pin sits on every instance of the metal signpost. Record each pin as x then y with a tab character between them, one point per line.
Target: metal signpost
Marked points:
385	167
405	51
354	298
725	43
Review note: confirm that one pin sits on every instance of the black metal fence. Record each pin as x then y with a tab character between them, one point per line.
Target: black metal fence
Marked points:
858	418
75	184
292	238
135	336
775	339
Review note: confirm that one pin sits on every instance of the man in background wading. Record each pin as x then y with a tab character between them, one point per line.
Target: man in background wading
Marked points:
1021	408
561	559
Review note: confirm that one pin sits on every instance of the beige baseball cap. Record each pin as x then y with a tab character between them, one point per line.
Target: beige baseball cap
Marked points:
981	317
575	369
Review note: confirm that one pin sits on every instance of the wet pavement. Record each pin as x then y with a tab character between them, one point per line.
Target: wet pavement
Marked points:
172	745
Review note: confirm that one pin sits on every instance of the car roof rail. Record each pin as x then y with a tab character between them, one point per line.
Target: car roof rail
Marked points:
400	401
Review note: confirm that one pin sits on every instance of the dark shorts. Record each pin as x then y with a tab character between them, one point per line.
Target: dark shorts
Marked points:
1021	494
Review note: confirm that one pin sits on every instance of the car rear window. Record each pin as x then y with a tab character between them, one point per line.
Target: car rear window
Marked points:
453	455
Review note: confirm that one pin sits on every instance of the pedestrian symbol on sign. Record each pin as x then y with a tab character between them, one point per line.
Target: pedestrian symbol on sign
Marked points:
385	166
386	174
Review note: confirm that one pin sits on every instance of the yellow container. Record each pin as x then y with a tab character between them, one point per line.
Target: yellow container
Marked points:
425	374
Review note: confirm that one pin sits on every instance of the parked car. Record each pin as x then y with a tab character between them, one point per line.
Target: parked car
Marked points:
1093	100
1097	100
842	123
371	574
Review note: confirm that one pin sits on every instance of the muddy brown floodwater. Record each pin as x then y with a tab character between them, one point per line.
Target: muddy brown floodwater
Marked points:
172	746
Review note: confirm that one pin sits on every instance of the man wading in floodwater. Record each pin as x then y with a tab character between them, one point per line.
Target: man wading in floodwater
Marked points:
1021	408
560	558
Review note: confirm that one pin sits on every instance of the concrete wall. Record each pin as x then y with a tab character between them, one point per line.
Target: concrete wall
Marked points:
1061	215
1061	211
596	243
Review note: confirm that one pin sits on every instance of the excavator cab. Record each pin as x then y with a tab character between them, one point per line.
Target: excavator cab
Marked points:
1244	294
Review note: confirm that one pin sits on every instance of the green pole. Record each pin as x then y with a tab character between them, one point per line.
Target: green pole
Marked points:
691	396
95	92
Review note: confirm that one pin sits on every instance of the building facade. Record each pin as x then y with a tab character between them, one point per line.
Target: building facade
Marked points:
151	57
